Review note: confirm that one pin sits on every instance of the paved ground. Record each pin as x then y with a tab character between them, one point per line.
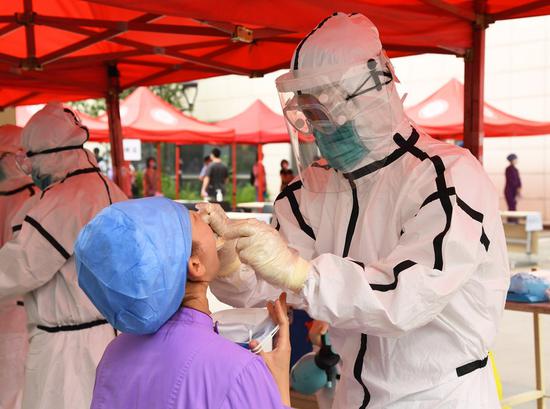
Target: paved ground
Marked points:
514	347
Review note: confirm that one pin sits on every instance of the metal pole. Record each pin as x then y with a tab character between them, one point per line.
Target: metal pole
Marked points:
177	166
115	129
474	76
234	166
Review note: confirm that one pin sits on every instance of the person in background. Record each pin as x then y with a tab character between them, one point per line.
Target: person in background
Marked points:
169	354
101	163
286	174
213	184
258	171
150	178
67	333
207	161
512	189
16	192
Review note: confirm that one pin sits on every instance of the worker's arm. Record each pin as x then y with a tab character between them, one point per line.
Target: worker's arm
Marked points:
244	288
441	245
31	259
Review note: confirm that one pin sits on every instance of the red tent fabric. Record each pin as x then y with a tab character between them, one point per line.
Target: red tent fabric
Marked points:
149	118
441	115
60	49
257	125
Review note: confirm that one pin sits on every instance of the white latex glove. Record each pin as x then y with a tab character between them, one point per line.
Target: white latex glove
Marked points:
215	217
261	247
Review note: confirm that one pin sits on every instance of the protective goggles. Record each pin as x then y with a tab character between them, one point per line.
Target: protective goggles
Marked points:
323	101
23	158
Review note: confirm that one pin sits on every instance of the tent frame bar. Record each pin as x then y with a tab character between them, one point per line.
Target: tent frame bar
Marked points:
514	11
474	77
451	9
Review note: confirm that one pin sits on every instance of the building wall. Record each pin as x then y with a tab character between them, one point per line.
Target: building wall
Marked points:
517	80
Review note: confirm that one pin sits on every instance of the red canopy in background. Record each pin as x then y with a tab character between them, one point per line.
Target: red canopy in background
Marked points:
441	115
147	117
61	49
257	125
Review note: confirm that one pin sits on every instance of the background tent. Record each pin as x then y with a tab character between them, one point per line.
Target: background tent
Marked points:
257	125
68	50
148	117
441	115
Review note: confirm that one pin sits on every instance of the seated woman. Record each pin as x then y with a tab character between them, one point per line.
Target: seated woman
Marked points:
146	265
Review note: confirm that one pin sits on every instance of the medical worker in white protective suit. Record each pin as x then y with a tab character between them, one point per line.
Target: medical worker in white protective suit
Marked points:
67	334
394	239
16	191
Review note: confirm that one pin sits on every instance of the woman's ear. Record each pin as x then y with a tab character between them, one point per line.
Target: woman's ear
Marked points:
195	269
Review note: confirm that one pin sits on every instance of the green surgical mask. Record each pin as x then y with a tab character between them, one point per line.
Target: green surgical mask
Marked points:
341	148
42	182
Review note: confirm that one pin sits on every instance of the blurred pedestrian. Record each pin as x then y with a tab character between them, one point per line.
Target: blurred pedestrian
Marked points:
101	163
150	178
207	161
258	171
213	184
286	174
512	189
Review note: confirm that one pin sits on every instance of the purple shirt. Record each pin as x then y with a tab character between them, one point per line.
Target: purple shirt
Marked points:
185	364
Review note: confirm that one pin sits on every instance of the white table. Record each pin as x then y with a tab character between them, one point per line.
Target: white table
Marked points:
532	222
263	217
254	205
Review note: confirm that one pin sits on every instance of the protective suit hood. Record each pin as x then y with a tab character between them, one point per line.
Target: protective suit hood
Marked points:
10	142
55	127
348	46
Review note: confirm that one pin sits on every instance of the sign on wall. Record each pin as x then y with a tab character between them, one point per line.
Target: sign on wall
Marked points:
132	149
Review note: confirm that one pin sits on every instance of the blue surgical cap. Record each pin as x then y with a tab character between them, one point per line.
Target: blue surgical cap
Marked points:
131	260
512	157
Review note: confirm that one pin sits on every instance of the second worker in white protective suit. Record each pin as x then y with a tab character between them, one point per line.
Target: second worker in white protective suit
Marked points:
17	191
393	238
67	333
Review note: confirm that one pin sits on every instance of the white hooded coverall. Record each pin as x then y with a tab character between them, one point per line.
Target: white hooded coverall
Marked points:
14	192
409	269
408	266
67	333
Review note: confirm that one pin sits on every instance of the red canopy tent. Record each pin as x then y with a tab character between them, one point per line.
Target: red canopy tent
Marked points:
442	115
66	49
147	117
256	125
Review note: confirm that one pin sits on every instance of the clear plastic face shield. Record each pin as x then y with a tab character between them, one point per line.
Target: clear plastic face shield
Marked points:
339	120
